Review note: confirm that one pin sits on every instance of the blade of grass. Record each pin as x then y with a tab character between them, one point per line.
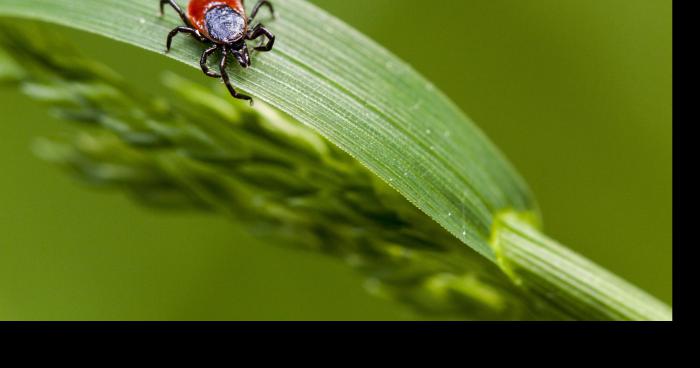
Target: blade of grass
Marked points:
199	150
355	93
576	285
370	104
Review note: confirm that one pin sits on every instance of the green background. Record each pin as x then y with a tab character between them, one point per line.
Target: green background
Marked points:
576	93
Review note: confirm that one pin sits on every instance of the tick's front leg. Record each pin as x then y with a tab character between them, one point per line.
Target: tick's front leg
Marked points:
257	7
177	9
203	62
179	30
260	31
227	80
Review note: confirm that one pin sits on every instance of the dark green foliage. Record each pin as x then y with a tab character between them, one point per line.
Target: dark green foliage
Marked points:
198	149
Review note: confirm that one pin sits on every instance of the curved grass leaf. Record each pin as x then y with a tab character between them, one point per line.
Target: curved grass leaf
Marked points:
391	120
199	150
351	90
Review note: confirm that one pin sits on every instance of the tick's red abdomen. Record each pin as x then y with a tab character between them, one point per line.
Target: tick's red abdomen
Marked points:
197	9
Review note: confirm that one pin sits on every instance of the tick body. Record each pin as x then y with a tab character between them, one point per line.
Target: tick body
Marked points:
225	26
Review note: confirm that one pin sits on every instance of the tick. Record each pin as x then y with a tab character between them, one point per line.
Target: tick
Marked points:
223	25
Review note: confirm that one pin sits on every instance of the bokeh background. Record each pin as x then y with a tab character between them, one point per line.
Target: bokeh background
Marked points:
576	93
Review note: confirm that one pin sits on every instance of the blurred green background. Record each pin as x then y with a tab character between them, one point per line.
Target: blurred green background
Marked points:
576	93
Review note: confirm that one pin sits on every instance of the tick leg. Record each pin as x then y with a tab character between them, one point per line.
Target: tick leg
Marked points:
179	30
203	62
176	7
257	7
260	31
227	80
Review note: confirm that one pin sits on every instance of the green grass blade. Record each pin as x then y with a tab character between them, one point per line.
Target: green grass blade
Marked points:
576	285
374	107
355	93
200	150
